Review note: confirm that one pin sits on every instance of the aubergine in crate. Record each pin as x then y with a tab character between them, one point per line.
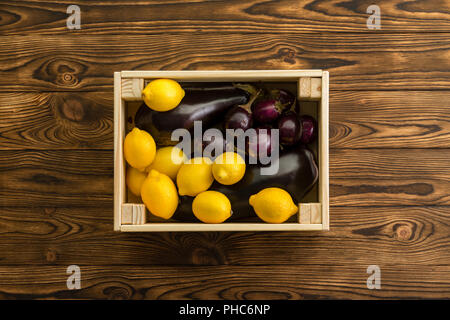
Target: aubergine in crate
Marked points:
202	102
297	174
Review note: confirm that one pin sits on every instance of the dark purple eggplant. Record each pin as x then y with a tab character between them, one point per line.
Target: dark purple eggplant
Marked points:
297	174
267	109
240	117
202	102
285	97
309	129
290	128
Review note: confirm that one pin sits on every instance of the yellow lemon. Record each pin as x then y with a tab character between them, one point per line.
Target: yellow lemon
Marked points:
139	149
273	205
134	180
159	195
211	207
195	176
163	94
168	160
228	168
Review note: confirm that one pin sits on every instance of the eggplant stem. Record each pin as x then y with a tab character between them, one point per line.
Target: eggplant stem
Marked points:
248	105
246	87
292	108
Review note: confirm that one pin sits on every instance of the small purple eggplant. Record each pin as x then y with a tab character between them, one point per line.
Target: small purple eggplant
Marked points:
285	97
290	128
309	129
269	108
240	117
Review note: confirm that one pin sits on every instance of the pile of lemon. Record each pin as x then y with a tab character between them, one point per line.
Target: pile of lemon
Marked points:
159	176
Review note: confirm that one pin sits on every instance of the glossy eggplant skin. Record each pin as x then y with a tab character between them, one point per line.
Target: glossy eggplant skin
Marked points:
202	102
297	174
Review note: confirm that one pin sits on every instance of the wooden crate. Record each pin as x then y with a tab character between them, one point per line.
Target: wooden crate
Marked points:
312	91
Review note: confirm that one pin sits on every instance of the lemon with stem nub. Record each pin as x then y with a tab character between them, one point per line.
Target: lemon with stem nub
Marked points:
159	195
195	176
163	94
139	149
228	168
211	207
273	205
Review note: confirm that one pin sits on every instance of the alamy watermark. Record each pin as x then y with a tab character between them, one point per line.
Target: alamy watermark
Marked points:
74	280
374	280
263	145
74	20
374	20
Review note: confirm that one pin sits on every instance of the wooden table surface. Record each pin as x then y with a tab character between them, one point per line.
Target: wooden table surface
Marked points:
389	149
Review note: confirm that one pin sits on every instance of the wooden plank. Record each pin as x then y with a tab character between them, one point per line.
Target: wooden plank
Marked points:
358	177
383	177
372	61
203	227
225	282
358	235
324	167
224	75
119	164
254	16
57	120
397	119
56	178
361	119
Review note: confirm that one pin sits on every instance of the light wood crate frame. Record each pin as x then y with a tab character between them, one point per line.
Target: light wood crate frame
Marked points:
312	85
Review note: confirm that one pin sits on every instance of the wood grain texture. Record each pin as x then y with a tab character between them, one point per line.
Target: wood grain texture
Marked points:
389	140
356	62
359	235
383	177
396	119
358	177
140	17
57	178
56	120
360	119
162	282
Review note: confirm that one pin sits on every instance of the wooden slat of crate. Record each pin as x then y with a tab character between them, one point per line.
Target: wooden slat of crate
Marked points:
324	183
193	227
119	165
225	75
